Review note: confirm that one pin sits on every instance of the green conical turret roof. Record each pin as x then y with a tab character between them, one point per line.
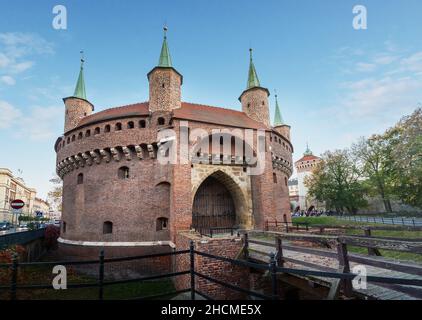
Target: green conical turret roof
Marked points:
278	119
165	58
308	151
253	80
80	85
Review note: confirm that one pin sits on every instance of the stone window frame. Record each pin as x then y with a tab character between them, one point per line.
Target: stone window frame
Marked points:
162	224
142	124
118	126
107	128
73	138
161	121
80	178
131	125
88	133
107	227
97	131
80	135
274	177
123	173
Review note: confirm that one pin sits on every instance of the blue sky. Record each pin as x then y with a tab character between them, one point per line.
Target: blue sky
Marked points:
334	83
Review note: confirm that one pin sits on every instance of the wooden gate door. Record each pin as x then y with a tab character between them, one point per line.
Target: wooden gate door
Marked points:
213	206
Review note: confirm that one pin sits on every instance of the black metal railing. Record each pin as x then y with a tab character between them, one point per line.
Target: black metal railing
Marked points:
274	267
212	231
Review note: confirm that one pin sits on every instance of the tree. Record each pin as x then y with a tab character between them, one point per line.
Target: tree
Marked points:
337	181
56	194
405	140
374	157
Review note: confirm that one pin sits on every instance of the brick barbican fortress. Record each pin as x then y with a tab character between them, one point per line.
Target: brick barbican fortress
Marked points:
118	195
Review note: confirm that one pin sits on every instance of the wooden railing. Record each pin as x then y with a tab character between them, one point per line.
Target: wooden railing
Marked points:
341	254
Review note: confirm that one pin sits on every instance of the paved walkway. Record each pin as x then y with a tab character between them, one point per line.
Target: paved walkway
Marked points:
373	291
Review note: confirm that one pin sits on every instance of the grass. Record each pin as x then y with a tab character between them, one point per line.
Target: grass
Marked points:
43	275
399	234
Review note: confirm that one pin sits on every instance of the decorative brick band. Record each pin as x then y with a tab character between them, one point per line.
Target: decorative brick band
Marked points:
117	244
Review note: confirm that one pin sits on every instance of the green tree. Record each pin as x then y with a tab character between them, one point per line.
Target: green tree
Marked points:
56	194
374	157
405	140
337	181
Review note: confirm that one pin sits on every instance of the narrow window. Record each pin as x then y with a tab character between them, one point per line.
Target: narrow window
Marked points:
107	128
73	138
80	178
163	85
274	177
123	173
88	133
142	124
97	131
80	135
68	140
162	224
107	227
285	181
130	125
64	227
118	126
161	121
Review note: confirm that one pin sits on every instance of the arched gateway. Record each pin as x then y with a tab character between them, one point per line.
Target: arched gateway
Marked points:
213	206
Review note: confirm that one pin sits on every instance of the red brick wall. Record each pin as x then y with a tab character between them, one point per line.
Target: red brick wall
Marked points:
220	270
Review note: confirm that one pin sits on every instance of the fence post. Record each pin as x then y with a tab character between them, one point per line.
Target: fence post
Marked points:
211	232
14	277
279	248
392	221
382	220
402	221
344	265
101	276
371	251
273	271
245	247
287	227
192	269
414	222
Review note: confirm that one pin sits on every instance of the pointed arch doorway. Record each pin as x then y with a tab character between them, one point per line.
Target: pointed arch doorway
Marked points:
213	205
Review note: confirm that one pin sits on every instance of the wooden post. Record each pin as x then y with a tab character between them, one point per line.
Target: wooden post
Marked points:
245	247
371	251
344	267
279	248
273	273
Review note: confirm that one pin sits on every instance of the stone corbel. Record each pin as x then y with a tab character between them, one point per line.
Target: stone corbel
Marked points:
151	151
80	161
115	154
126	152
106	156
95	156
87	158
138	150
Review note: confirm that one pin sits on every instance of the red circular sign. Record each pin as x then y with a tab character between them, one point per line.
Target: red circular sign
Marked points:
17	204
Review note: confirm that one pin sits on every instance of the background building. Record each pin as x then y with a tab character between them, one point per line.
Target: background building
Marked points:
304	167
43	206
12	188
294	192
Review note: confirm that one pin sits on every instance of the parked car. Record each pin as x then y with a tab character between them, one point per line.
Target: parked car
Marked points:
23	227
5	225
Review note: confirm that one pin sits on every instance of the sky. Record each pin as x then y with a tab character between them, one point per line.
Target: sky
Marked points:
334	83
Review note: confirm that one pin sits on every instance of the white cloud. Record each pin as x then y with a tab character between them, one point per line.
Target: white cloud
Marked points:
39	123
365	67
8	114
17	51
8	80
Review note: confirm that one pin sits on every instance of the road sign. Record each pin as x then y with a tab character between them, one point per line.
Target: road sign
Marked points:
17	204
39	214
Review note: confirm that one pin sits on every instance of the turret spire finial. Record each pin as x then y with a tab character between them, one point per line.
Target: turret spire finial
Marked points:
80	85
165	58
278	119
253	80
